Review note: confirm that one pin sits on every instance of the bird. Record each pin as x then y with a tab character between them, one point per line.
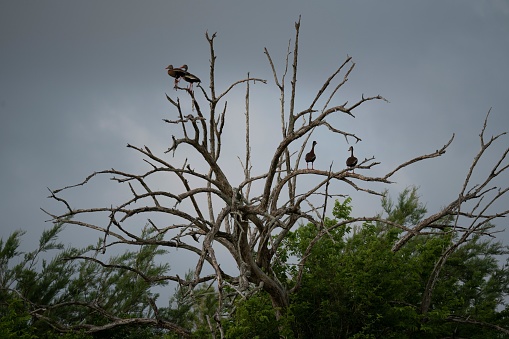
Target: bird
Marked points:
190	78
351	161
311	156
176	73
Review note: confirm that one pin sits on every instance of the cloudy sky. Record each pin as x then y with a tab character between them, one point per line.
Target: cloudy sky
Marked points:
81	80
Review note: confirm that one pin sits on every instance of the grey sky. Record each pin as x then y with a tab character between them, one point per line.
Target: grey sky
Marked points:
80	80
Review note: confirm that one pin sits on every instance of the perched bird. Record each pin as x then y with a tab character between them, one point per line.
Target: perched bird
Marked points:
176	73
311	156
190	78
351	161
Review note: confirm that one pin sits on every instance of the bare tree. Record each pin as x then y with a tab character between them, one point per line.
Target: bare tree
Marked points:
211	212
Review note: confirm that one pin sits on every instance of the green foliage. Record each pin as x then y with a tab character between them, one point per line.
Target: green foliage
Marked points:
16	322
407	211
119	291
253	318
8	251
14	319
193	309
354	286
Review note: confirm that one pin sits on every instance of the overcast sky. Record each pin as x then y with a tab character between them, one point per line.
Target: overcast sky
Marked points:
79	80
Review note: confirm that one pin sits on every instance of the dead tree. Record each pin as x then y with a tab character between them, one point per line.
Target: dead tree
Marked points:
208	211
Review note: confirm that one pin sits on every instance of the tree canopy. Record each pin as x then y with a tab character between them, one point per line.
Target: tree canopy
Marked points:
354	285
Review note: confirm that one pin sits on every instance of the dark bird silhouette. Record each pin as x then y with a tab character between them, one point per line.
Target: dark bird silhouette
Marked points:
176	73
311	156
351	161
190	78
